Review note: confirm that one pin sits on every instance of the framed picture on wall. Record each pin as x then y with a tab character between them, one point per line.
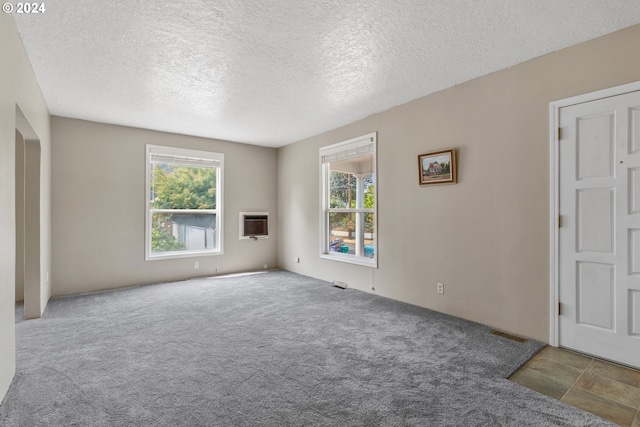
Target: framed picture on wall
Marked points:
437	167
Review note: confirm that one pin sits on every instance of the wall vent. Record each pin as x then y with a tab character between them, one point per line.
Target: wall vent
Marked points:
254	225
509	336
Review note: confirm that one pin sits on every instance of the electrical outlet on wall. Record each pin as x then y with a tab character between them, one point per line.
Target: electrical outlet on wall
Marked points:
196	265
440	288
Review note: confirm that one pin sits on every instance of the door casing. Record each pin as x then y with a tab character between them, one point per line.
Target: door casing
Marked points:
554	194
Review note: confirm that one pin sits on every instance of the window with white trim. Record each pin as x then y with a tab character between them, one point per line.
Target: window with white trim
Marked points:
348	201
183	203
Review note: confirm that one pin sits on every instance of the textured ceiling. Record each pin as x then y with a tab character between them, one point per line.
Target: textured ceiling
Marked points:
272	72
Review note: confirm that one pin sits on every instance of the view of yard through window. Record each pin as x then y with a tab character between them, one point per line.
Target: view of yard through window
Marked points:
344	189
348	201
183	205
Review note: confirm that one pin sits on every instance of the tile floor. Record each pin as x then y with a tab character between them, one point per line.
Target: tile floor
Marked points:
610	391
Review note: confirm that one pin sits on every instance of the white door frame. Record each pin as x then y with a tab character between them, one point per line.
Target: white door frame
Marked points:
554	194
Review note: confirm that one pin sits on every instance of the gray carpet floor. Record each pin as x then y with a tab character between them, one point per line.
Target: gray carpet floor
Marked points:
271	349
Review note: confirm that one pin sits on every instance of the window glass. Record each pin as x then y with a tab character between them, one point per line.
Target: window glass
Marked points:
183	187
171	232
183	217
349	201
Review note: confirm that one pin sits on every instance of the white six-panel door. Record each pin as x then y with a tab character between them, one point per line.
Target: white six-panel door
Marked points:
599	235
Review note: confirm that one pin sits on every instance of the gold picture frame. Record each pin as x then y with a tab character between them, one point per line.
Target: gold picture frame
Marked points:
438	167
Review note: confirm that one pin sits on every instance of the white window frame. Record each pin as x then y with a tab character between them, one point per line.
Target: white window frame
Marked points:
340	148
188	154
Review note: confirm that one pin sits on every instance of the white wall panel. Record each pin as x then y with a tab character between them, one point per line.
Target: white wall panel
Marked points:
634	116
595	284
595	145
633	187
634	309
595	220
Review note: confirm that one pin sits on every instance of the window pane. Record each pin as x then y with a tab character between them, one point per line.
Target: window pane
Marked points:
182	187
342	188
369	190
344	235
174	232
369	235
347	178
342	228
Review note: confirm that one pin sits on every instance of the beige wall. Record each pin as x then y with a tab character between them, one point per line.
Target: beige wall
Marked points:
98	207
32	238
487	237
18	88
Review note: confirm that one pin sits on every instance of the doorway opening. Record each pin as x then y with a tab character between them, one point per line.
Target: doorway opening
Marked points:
27	210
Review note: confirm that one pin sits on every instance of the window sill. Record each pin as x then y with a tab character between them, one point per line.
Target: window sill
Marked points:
351	259
175	255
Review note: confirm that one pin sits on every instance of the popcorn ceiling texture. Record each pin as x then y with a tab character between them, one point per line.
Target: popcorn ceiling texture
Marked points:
272	72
